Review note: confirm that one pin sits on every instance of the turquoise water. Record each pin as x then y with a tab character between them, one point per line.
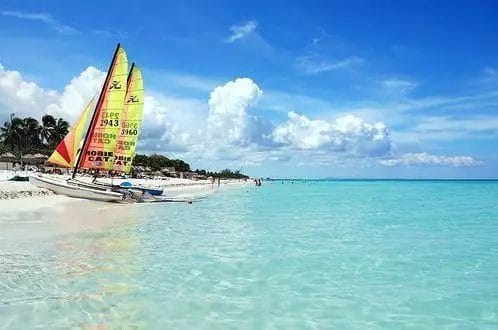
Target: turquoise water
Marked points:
315	255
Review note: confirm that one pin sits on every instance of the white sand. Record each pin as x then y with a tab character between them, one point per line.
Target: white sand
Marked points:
173	187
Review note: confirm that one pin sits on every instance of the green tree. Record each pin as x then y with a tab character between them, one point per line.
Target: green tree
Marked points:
30	134
12	134
47	128
140	160
3	148
53	130
60	131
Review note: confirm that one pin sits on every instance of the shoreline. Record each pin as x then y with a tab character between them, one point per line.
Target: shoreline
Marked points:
14	190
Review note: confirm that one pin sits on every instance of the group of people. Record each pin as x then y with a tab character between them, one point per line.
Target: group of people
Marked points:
257	182
213	180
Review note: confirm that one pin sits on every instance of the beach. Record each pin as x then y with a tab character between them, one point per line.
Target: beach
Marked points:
173	187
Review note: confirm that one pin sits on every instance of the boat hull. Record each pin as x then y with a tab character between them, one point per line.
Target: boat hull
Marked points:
63	188
133	194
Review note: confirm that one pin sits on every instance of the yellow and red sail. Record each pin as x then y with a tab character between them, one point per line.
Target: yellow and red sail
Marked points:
100	144
66	152
131	121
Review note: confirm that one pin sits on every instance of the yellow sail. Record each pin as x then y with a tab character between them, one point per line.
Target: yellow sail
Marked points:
66	152
98	151
131	121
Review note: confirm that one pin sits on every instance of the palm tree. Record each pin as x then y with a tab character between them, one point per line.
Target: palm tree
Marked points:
61	129
47	128
31	129
12	133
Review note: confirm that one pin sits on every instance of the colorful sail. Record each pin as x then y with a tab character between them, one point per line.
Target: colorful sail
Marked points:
66	152
131	121
100	143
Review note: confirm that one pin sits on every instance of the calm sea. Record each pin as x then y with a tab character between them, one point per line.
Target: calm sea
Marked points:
314	255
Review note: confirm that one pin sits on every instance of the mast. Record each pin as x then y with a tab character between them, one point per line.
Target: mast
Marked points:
94	115
129	76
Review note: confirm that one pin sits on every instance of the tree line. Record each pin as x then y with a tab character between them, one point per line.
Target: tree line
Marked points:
223	174
157	162
28	135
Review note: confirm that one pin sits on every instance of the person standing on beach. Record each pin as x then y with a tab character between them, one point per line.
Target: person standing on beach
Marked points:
219	182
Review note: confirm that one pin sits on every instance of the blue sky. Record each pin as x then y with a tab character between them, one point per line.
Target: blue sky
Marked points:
283	88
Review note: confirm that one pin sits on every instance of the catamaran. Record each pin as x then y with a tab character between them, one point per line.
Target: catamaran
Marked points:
112	130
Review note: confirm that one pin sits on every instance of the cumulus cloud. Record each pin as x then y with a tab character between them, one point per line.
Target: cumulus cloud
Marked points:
77	93
26	98
348	134
226	127
172	124
229	120
425	159
168	123
241	30
22	97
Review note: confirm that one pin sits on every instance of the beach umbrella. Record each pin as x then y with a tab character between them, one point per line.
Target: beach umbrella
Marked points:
35	159
40	156
8	157
27	159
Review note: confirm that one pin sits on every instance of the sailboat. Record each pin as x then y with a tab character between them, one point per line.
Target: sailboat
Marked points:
112	130
131	121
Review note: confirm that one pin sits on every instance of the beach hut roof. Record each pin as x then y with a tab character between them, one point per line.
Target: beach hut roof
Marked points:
40	156
8	157
34	159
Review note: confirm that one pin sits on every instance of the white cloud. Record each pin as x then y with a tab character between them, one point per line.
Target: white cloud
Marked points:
22	97
399	86
44	18
26	98
169	123
225	130
348	134
172	124
229	120
425	159
242	30
447	123
77	93
111	33
312	64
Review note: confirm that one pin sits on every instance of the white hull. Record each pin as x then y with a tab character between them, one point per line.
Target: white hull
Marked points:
61	187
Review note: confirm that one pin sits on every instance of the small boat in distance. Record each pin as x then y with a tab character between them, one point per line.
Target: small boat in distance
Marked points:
112	130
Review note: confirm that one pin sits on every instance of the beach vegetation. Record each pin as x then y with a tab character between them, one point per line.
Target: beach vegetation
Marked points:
158	162
27	135
223	174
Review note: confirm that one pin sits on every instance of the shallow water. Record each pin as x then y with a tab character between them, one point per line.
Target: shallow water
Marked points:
360	254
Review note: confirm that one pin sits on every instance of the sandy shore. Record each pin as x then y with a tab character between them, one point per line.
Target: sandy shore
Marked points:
173	187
